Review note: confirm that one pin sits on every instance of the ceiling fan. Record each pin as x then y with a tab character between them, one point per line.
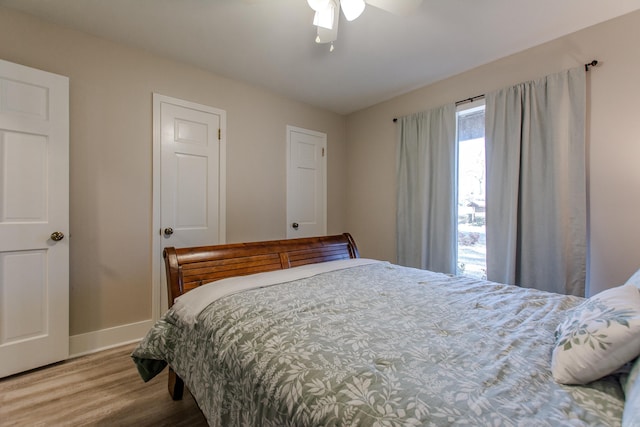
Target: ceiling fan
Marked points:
327	13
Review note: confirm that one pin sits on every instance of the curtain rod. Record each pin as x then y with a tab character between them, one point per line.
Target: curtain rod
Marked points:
473	98
590	64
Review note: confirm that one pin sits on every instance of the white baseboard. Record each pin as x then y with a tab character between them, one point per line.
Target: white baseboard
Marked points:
82	344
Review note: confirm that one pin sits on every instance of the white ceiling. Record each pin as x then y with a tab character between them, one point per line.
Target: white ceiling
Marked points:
270	43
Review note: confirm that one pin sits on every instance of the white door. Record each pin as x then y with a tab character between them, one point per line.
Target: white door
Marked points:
191	178
34	207
306	183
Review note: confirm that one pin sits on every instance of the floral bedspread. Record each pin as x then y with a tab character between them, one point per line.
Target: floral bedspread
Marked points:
379	345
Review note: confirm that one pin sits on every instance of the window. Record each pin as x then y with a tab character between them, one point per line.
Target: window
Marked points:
471	242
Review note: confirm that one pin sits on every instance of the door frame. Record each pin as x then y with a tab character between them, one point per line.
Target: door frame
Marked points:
157	262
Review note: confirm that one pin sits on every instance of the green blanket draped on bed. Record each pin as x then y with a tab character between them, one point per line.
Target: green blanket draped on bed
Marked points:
379	345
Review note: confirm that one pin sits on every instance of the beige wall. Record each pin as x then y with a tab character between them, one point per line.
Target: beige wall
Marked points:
111	206
613	143
111	90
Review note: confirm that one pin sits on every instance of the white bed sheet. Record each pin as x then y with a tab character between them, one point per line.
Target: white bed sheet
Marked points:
188	306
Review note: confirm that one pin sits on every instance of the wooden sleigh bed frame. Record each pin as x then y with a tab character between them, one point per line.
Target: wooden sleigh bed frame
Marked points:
188	268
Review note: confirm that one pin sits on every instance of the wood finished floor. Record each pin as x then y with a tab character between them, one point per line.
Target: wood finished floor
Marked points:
101	389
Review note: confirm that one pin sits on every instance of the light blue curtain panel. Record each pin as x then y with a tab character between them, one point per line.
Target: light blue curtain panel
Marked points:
426	210
536	183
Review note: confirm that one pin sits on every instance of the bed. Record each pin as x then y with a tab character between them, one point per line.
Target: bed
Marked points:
304	332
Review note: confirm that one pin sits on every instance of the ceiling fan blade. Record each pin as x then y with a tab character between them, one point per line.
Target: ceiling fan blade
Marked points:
326	35
397	7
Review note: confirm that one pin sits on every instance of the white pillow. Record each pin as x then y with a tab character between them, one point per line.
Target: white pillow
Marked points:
631	415
634	280
598	336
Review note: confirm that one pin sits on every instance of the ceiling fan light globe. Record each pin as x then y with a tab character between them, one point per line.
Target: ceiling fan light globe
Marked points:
318	5
352	8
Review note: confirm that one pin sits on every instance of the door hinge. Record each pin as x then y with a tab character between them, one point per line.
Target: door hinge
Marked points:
322	151
219	134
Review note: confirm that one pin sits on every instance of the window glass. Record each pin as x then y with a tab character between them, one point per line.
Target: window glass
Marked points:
471	192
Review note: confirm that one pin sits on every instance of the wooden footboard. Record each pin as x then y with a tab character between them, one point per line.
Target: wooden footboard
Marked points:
188	268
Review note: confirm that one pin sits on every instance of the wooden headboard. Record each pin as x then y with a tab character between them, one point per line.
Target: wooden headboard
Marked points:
188	268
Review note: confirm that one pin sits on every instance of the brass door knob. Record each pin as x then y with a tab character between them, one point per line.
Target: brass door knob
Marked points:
56	236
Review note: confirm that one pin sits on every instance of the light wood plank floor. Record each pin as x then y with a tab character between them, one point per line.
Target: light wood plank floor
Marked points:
101	389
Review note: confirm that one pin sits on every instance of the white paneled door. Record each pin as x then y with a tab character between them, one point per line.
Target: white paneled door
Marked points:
306	183
191	177
34	218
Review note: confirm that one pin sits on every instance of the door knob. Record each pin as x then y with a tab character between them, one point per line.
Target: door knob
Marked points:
56	236
168	231
295	225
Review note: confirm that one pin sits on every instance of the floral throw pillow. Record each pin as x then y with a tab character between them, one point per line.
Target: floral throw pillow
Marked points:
598	336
